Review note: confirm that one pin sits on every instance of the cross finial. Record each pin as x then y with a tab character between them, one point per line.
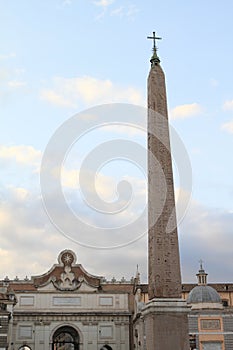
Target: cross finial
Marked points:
155	59
154	38
201	262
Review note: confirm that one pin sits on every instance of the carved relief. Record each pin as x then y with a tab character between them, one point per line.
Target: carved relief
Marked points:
67	280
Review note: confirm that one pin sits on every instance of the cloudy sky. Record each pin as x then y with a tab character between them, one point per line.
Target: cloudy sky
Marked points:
59	58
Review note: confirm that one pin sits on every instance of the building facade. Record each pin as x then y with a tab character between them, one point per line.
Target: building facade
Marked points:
7	302
69	309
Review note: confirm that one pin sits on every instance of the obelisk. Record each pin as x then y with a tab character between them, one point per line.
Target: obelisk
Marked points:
165	315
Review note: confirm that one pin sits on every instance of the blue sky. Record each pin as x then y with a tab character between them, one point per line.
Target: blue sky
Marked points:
60	57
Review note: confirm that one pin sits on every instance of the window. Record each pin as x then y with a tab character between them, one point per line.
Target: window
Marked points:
225	303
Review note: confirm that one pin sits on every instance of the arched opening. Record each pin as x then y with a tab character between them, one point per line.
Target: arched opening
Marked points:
106	347
24	347
65	338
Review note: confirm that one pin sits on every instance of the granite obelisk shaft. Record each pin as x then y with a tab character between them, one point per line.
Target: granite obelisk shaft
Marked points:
165	315
164	261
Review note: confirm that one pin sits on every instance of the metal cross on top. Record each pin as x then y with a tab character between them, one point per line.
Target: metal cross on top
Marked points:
154	37
201	262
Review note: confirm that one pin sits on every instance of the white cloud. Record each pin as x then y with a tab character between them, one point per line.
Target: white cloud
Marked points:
70	92
228	105
103	3
206	233
56	99
228	127
132	11
4	218
4	74
23	232
186	111
119	11
20	193
11	81
16	83
101	15
69	178
129	12
99	186
21	154
26	233
183	200
7	56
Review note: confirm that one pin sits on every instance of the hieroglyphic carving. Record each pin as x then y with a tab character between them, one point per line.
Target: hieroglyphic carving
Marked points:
163	241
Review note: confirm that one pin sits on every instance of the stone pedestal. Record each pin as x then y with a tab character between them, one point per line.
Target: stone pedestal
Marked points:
166	324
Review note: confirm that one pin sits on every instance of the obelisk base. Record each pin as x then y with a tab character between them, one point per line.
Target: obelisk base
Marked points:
166	324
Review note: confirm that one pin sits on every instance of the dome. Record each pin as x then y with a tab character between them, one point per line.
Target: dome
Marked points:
203	294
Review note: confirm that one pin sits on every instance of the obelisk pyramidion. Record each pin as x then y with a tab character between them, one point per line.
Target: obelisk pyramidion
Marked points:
165	315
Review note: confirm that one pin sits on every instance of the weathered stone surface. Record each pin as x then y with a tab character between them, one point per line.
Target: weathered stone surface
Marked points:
166	326
165	315
164	263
